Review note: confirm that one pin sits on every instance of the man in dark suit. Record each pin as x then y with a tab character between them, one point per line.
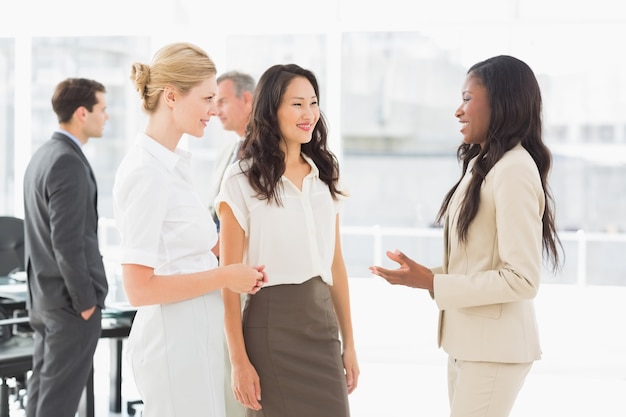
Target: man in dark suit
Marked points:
67	284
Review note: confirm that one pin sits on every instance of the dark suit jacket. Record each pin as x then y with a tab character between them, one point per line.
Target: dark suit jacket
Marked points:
62	257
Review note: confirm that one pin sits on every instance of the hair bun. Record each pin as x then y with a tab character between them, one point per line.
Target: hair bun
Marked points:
140	76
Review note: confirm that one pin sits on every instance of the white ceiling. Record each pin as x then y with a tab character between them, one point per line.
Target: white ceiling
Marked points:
149	17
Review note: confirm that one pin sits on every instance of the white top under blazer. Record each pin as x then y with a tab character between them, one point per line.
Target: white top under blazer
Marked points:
295	241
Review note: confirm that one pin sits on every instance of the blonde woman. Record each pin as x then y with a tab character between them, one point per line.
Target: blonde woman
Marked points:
169	271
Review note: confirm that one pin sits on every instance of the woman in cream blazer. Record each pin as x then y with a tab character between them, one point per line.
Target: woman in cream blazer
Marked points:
498	219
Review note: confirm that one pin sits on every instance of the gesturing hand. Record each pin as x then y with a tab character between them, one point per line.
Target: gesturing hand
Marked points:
410	273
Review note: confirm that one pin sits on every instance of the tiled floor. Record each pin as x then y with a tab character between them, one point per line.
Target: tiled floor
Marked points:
582	373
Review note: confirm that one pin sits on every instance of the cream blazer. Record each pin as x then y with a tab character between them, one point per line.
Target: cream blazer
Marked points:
485	287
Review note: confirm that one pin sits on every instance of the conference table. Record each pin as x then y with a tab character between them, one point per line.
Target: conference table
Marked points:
16	353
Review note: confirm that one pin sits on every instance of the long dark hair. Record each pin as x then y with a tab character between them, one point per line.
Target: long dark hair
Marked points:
515	102
261	143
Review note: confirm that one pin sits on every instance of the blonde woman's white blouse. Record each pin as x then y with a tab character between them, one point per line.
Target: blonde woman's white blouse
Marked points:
162	221
295	241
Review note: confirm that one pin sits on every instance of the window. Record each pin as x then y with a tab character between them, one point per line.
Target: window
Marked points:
7	111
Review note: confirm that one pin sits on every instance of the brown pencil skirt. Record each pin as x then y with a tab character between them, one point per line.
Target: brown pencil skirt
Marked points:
292	340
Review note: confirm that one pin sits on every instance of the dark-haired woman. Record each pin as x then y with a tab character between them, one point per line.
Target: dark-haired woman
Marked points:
279	206
498	219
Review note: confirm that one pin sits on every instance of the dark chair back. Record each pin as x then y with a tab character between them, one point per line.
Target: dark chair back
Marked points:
11	244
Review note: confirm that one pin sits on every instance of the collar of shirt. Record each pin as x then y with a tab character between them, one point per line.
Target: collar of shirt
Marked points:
314	171
69	135
168	158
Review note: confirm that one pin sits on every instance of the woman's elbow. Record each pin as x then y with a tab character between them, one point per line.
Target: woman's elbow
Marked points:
136	294
530	288
134	297
136	279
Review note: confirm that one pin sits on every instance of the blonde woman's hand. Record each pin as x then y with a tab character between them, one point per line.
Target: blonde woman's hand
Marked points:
246	279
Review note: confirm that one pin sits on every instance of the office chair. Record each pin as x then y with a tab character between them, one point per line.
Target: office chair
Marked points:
11	245
11	257
11	260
